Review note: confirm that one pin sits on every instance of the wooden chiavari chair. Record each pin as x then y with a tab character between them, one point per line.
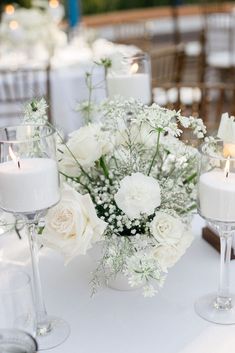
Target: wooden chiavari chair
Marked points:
167	64
208	101
133	33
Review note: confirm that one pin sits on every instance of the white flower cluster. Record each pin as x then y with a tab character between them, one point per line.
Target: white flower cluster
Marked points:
141	180
35	112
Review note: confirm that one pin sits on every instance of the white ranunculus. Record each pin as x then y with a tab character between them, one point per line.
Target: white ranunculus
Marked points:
72	226
166	228
87	144
138	194
167	255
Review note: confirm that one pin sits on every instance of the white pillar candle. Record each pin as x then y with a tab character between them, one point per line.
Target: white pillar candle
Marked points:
217	196
229	150
137	86
32	187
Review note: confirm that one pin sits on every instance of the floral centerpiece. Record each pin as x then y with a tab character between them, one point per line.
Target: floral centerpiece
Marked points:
129	183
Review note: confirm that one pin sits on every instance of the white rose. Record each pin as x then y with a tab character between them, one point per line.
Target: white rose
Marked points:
72	226
166	228
87	144
138	194
167	255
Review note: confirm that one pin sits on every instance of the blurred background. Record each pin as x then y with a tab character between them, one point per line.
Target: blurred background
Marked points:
190	45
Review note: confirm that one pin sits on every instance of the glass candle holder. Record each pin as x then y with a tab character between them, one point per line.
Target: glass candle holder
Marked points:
16	341
17	308
216	204
29	186
130	77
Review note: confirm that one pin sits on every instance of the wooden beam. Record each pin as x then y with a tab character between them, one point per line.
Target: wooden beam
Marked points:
151	13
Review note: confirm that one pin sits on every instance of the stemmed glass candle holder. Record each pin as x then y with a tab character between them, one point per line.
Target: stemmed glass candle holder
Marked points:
29	186
216	204
130	77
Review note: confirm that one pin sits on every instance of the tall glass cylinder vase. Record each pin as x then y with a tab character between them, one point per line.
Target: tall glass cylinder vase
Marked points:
130	77
29	185
216	204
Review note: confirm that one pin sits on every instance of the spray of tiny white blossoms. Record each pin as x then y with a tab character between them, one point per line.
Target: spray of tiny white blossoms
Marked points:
35	112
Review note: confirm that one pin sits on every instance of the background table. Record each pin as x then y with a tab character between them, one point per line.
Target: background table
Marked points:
125	322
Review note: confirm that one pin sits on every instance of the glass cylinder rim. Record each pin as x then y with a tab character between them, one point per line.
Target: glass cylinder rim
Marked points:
51	129
206	154
137	55
19	288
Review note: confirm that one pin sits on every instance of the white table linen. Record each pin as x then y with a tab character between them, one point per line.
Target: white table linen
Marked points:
119	322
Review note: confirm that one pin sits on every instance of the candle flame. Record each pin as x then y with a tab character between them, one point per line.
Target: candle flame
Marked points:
13	25
227	167
53	4
9	9
13	157
134	68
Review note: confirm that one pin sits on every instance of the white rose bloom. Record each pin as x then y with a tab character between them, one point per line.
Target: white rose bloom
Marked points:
167	255
138	194
87	144
166	228
72	226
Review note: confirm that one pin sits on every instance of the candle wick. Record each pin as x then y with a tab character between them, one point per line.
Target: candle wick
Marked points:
227	174
18	163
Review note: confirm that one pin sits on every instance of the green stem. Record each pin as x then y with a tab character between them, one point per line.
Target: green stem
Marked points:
156	152
71	153
190	178
104	167
77	180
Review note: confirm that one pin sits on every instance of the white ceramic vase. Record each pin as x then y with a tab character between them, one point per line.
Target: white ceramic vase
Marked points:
120	282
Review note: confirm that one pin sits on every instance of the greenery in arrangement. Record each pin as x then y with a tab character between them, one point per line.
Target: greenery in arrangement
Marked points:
129	184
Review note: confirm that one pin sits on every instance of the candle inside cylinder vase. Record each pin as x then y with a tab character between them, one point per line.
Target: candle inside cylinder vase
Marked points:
217	195
132	81
28	186
229	150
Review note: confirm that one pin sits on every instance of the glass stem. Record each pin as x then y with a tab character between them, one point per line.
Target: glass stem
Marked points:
42	325
223	300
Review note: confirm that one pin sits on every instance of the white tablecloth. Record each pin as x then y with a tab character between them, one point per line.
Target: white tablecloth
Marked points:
125	322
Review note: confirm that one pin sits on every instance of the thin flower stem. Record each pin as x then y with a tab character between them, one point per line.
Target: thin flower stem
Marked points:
190	178
77	180
156	152
104	167
69	150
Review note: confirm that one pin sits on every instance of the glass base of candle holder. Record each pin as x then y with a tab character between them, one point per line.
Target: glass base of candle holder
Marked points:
217	310
53	333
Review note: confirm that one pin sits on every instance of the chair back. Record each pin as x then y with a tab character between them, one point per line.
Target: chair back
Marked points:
167	64
18	86
206	100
